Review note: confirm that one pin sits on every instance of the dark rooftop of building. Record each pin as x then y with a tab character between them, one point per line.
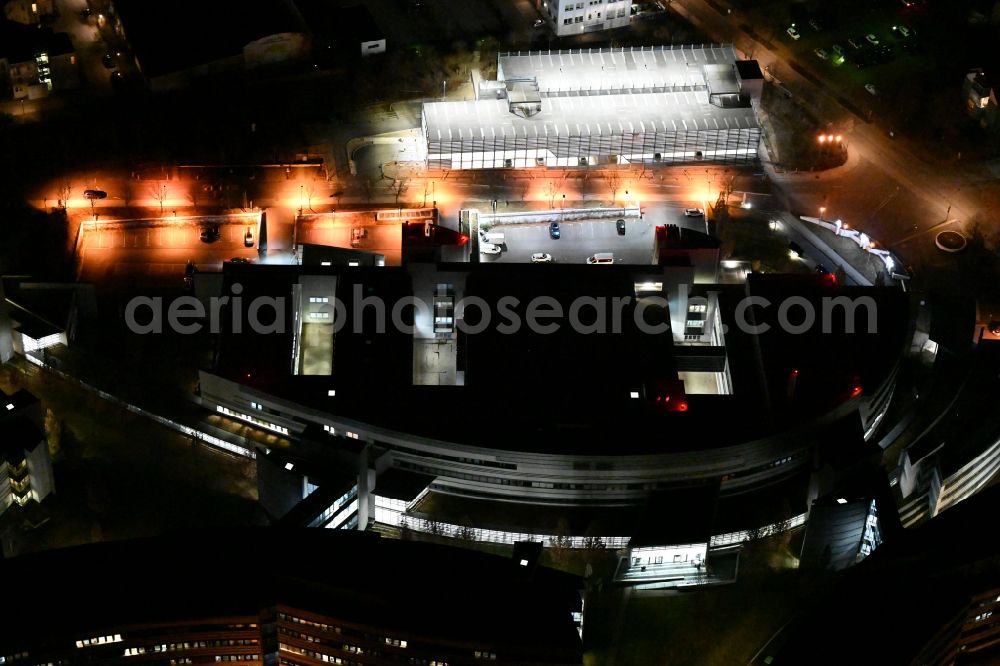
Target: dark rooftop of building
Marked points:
20	399
567	390
423	590
748	69
677	517
18	42
911	588
173	36
401	484
18	435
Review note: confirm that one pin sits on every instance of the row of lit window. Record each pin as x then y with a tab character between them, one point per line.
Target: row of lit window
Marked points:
319	299
251	419
171	647
99	640
490	656
347	433
326	658
298	620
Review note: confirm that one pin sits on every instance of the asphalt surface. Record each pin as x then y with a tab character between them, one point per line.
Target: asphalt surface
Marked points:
579	240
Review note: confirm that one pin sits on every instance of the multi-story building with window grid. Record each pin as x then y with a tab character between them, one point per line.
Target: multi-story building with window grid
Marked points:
296	597
567	17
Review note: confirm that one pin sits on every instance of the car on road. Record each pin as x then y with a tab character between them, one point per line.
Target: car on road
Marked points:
554	231
95	194
693	212
838	49
815	25
538	23
872	39
871	88
620	227
793	33
601	258
239	260
489	248
211	234
248	238
903	30
856	45
821	54
541	258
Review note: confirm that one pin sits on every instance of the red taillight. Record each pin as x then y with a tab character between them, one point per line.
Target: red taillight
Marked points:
856	391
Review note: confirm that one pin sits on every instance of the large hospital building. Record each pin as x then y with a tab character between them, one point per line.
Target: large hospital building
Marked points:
667	104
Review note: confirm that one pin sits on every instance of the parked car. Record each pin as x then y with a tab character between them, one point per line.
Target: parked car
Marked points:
95	194
821	54
838	49
541	258
793	33
601	258
248	238
904	31
211	234
554	232
871	88
693	212
856	45
489	248
872	39
620	227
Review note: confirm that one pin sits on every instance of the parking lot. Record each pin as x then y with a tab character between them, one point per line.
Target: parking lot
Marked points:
147	256
578	240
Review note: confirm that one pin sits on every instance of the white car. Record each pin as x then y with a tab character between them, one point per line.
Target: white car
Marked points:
489	248
541	258
601	258
793	33
904	31
821	54
871	88
693	212
872	39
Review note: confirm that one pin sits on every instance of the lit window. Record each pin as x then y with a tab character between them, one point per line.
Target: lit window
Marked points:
289	466
331	393
325	263
634	395
524	563
10	406
353	263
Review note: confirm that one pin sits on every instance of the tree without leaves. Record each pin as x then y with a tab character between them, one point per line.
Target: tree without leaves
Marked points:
399	187
551	190
158	192
614	181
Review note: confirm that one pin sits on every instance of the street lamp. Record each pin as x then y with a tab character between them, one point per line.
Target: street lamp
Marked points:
822	209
